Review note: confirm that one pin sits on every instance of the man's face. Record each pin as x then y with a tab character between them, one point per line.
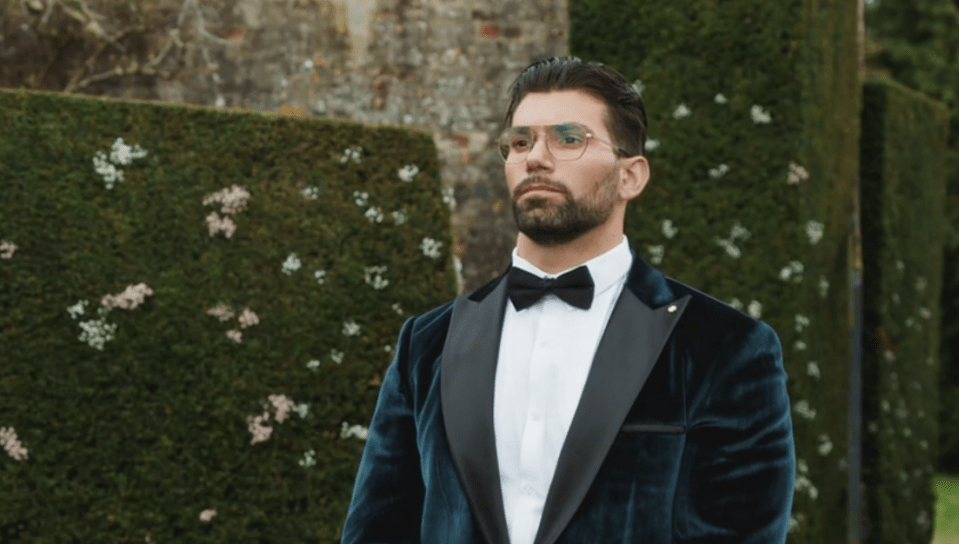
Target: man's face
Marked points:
555	201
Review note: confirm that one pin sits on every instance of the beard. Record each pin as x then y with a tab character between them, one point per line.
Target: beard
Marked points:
549	223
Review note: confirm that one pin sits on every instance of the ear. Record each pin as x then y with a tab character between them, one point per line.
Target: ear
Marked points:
633	176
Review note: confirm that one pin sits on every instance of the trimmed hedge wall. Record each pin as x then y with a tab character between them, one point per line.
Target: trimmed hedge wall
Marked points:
904	144
754	146
222	400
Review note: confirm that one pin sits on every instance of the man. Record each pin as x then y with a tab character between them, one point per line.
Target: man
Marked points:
612	404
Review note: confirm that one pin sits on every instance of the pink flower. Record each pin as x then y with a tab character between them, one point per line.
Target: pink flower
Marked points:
283	405
9	441
260	432
130	298
207	515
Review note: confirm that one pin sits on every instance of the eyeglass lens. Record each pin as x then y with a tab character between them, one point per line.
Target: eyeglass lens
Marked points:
566	142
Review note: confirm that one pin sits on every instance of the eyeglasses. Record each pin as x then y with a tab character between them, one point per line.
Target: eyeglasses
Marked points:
566	142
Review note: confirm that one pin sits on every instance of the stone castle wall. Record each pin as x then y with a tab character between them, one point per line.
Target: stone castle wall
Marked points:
444	65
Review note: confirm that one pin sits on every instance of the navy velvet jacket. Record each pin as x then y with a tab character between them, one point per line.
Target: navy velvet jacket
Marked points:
682	434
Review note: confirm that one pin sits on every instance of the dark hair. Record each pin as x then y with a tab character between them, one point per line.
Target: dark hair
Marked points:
626	118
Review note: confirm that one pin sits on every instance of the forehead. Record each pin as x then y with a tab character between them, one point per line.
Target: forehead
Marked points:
566	106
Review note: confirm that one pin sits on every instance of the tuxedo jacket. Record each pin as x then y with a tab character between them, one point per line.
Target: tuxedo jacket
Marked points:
682	434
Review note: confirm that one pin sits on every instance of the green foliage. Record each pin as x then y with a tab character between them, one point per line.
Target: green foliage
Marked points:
903	188
788	182
136	439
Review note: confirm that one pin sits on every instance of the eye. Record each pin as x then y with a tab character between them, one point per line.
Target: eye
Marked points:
519	143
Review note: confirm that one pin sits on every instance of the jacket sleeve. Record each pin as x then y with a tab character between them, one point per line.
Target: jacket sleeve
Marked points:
387	502
738	468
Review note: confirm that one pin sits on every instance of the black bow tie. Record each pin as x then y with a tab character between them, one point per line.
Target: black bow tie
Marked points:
575	287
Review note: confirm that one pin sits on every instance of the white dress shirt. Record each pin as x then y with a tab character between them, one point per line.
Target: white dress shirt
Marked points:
545	354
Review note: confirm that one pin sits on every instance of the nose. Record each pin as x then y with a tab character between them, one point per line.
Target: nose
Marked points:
539	156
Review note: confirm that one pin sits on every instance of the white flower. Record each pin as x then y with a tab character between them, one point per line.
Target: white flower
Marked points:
921	284
408	172
283	405
900	266
656	254
925	313
793	524
320	276
6	249
129	299
814	230
260	432
397	309
111	174
248	319
923	444
430	247
823	286
801	322
803	409
373	276
388	348
399	217
825	445
234	335
803	484
668	229
11	444
97	332
681	111
302	409
225	225
638	87
123	154
813	369
885	406
309	459
719	171
760	116
739	232
800	345
207	515
801	466
351	153
889	356
291	264
232	199
313	364
796	173
720	99
448	197
794	268
731	249
351	328
312	192
307	65
221	311
361	198
356	430
755	309
77	309
895	299
337	356
736	303
652	145
374	214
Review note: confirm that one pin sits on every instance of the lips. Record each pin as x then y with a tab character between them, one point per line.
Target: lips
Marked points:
539	188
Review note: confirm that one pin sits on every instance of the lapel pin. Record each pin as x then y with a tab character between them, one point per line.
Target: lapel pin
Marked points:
672	308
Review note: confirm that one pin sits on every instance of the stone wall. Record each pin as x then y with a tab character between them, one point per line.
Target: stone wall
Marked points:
444	65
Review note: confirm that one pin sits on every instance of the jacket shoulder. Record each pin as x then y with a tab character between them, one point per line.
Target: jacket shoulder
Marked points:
712	318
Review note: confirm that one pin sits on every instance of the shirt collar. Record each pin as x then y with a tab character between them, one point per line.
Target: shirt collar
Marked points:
606	269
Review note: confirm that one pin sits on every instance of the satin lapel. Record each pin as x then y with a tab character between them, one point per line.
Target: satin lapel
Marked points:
467	379
633	340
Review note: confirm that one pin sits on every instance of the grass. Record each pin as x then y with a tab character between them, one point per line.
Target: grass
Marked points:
947	509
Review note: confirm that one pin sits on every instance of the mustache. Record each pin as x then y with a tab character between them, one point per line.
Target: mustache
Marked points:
539	181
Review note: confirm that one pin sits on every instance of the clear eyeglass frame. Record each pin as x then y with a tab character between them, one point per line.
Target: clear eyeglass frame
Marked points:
577	137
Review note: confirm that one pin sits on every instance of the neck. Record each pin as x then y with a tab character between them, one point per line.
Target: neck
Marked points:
555	259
